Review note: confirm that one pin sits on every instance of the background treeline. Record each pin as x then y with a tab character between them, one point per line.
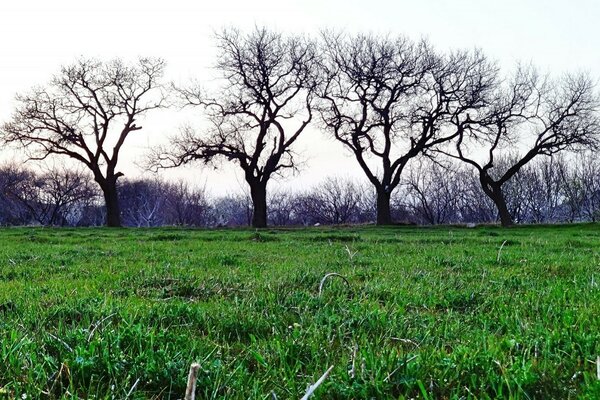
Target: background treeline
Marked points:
440	136
548	190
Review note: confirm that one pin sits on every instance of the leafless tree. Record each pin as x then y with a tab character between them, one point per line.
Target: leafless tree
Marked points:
580	187
147	202
12	210
334	201
186	205
435	192
86	113
51	196
540	189
391	100
263	107
530	116
143	202
232	210
282	208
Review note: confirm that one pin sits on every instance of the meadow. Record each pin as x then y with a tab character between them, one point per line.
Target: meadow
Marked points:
445	312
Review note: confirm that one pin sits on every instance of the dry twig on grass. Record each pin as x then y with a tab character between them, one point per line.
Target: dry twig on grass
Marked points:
190	391
311	389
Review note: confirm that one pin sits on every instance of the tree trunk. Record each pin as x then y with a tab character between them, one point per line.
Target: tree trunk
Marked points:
494	192
384	214
505	217
258	193
111	200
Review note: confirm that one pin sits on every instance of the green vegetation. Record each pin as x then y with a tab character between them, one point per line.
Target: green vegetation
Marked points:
430	312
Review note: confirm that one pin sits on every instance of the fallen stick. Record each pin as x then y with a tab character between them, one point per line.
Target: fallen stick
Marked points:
190	391
311	389
133	388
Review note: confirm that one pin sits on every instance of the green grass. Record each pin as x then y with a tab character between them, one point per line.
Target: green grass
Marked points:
430	312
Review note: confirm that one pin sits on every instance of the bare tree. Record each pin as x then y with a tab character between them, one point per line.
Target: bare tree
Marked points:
143	202
12	209
187	205
580	187
86	113
540	189
333	201
435	192
264	105
282	208
538	116
476	207
48	196
390	100
232	210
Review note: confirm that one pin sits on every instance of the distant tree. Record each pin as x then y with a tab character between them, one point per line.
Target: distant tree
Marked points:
539	190
333	201
12	209
263	107
540	116
435	192
475	207
143	202
86	113
580	187
186	205
391	100
51	196
232	210
282	208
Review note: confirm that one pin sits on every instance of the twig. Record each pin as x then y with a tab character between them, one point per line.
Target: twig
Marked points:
61	342
406	341
190	391
132	388
598	367
311	389
500	251
57	376
331	274
387	378
97	324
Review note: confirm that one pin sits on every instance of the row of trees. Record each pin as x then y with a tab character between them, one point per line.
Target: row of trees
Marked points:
547	190
390	101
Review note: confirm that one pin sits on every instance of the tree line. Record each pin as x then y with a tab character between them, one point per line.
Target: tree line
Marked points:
548	190
421	124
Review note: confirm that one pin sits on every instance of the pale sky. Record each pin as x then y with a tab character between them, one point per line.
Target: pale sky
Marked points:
38	36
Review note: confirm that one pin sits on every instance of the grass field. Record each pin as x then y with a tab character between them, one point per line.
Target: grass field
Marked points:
429	312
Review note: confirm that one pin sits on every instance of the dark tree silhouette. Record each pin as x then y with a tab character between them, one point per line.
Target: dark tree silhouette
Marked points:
86	113
390	100
263	107
529	117
49	196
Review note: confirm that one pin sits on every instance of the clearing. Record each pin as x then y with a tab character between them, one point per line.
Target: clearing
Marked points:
444	312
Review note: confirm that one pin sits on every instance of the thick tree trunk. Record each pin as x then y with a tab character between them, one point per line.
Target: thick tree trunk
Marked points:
384	213
505	217
111	201
258	193
494	192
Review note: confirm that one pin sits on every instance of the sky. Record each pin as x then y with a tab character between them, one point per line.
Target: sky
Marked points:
38	36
